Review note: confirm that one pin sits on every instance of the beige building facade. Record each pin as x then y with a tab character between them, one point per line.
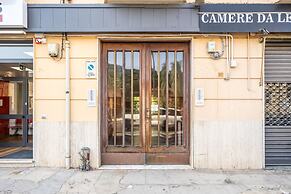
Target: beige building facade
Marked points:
227	131
223	125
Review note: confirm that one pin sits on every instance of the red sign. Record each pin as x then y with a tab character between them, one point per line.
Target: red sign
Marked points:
38	40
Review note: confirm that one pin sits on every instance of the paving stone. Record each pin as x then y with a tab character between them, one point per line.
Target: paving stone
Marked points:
5	183
111	177
81	182
53	180
5	171
209	189
54	183
137	177
145	189
20	186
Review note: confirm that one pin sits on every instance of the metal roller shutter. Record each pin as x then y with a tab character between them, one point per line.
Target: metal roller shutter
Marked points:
278	102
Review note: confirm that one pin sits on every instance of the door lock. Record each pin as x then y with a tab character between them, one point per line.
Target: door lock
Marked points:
148	113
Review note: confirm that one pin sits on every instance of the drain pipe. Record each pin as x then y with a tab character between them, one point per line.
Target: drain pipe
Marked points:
68	107
248	64
227	65
263	61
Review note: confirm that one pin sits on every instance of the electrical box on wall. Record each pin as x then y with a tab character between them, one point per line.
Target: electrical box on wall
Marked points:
211	47
53	49
233	64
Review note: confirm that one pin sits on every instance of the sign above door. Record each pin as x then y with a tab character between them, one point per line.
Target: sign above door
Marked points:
245	18
9	17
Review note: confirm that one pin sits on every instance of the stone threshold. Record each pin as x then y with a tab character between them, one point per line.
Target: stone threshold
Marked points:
145	167
16	163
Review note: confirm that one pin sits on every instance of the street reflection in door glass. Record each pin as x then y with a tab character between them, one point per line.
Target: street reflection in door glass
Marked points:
123	98
167	98
132	99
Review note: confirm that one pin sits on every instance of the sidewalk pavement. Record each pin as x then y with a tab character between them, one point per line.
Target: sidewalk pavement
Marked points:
55	180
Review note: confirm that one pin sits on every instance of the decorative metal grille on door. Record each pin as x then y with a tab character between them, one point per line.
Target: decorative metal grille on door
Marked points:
278	104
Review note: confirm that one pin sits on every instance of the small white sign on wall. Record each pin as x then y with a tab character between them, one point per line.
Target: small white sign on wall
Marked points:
199	97
91	69
91	100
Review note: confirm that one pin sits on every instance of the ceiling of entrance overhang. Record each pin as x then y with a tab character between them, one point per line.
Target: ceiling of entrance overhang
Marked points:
16	53
15	69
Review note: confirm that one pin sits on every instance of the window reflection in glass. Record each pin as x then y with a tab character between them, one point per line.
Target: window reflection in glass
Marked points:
171	98
155	104
119	97
180	97
110	97
136	98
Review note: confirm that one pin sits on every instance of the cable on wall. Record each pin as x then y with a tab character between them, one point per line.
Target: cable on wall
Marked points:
64	37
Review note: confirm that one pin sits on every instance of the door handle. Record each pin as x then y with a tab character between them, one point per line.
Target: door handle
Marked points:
148	113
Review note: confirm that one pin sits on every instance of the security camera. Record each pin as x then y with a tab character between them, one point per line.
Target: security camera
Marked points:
264	31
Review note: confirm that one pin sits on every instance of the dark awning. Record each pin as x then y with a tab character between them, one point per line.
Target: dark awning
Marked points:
104	18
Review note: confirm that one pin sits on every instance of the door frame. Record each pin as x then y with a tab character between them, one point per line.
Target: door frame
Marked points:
188	42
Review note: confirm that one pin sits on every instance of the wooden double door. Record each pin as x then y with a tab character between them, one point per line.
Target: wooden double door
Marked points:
145	110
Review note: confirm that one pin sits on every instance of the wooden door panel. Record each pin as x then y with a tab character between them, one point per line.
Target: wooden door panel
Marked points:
123	158
167	97
167	158
122	122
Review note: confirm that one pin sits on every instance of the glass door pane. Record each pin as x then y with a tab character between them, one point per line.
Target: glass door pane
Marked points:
123	98
167	98
11	111
30	112
11	131
16	114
